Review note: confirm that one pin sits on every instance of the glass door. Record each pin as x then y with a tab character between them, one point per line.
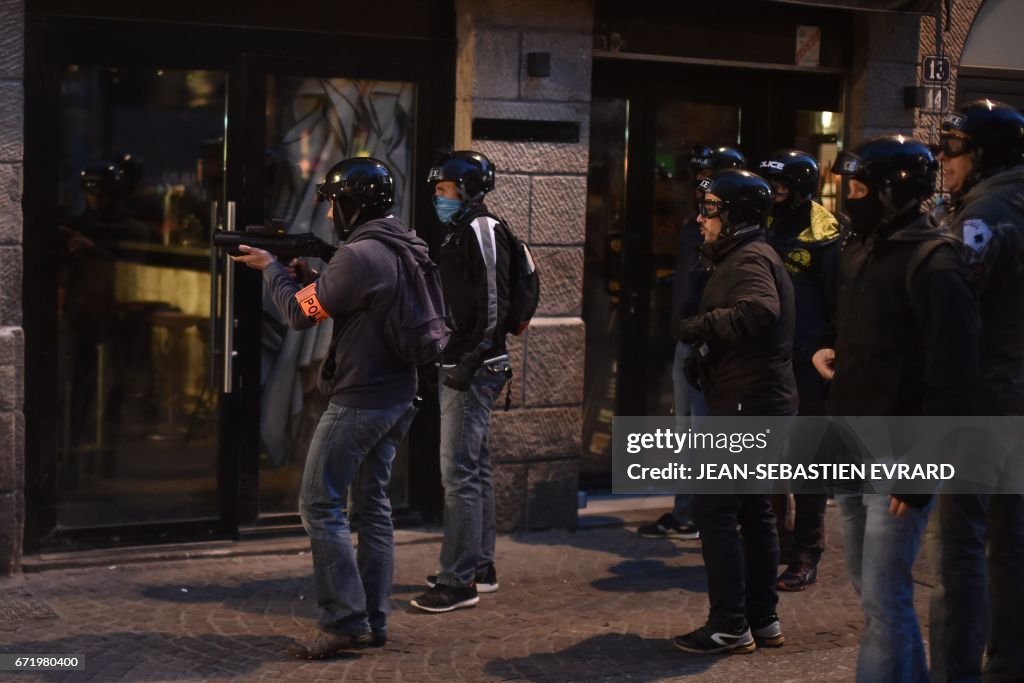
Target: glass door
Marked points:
167	399
311	123
139	181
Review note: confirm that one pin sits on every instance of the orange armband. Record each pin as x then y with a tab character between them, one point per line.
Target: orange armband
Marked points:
310	304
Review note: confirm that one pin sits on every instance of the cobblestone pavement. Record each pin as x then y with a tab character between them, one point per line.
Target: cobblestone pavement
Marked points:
595	605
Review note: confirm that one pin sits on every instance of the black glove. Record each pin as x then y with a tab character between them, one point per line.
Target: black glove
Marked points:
459	377
690	330
691	371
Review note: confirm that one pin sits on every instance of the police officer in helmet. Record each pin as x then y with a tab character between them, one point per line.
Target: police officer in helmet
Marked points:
743	333
371	392
687	287
474	259
807	238
981	150
906	344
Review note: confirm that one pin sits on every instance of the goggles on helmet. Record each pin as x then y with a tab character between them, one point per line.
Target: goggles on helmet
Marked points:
952	146
710	208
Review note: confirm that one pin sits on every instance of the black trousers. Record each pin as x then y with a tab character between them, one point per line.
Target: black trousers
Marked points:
806	542
741	554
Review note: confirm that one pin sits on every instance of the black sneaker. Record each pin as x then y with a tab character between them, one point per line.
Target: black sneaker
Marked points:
798	576
486	580
767	632
668	527
442	598
709	641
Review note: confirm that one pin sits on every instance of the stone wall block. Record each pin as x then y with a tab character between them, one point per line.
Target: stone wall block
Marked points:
528	157
12	345
10	204
561	280
571	61
536	433
12	446
531	157
12	117
497	63
554	362
12	39
12	512
10	285
511	200
551	494
510	482
8	464
883	104
892	37
558	210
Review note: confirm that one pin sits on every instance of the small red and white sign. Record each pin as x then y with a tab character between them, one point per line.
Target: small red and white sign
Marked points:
808	45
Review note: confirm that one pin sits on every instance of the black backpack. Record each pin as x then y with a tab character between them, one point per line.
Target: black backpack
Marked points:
523	284
416	328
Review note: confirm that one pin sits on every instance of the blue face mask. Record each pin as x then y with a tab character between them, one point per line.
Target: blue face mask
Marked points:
446	208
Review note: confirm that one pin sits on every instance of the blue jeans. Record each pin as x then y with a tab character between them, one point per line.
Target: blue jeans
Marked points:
468	545
688	400
880	551
978	600
352	446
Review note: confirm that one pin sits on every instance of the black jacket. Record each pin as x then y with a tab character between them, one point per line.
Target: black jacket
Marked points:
807	240
990	221
746	318
906	326
474	262
356	288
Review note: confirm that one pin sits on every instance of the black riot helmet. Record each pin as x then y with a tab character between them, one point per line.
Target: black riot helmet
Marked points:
702	157
899	173
360	189
992	131
796	170
472	173
744	199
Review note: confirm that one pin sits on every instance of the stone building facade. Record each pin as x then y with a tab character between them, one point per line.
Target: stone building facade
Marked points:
541	190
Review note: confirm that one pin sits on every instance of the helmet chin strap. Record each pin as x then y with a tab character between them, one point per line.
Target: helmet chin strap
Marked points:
342	225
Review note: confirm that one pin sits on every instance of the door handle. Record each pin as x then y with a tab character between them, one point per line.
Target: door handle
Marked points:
211	344
229	306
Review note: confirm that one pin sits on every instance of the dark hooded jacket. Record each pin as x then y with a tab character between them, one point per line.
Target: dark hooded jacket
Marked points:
357	288
990	221
906	326
807	240
746	319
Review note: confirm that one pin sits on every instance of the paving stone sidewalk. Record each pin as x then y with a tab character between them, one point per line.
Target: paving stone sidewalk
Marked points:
594	605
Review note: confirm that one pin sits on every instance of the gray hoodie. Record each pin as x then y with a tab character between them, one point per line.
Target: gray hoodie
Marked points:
356	289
